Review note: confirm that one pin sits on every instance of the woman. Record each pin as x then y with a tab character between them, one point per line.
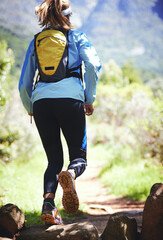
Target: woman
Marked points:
61	104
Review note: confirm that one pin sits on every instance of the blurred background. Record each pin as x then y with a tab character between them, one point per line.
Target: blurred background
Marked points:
125	134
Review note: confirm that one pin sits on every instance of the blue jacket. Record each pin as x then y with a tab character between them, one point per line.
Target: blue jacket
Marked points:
80	49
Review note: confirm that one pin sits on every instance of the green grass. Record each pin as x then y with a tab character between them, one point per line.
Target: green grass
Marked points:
125	174
133	182
21	183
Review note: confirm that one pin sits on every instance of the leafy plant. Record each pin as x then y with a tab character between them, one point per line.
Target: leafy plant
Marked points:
7	136
18	46
130	128
149	131
130	73
131	106
6	59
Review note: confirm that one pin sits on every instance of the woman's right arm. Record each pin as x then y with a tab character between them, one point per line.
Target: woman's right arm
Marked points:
26	78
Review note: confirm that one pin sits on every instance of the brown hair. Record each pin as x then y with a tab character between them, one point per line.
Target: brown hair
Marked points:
50	13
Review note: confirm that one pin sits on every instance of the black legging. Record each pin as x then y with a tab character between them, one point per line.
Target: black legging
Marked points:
51	116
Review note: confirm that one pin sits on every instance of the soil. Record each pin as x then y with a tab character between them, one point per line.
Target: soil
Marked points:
99	204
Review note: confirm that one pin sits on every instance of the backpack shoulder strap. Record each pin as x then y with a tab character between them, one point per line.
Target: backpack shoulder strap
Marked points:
71	72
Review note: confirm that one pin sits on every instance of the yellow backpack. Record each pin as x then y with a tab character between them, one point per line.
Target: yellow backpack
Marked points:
51	47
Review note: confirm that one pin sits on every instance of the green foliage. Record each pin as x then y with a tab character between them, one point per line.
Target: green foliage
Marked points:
130	128
15	142
18	45
6	59
130	72
149	131
112	74
133	108
115	76
7	136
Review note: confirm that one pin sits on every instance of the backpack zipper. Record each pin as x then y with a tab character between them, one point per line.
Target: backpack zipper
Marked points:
48	37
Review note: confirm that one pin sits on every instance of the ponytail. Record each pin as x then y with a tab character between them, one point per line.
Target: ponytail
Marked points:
50	13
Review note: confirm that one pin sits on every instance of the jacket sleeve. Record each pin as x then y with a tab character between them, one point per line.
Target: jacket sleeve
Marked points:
26	78
92	67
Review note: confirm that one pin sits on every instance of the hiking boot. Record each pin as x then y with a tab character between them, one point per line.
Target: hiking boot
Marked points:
70	199
50	214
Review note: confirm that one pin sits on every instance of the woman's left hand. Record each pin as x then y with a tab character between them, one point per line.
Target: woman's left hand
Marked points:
89	109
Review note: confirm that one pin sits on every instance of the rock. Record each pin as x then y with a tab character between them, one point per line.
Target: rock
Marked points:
120	227
137	214
75	231
11	220
152	223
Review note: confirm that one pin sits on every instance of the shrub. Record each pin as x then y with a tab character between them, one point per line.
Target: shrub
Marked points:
7	136
149	131
116	76
112	74
132	114
130	72
5	65
129	131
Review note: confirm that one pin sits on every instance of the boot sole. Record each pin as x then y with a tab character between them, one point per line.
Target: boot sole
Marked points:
70	199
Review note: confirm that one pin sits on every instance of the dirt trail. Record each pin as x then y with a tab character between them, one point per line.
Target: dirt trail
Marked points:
99	204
